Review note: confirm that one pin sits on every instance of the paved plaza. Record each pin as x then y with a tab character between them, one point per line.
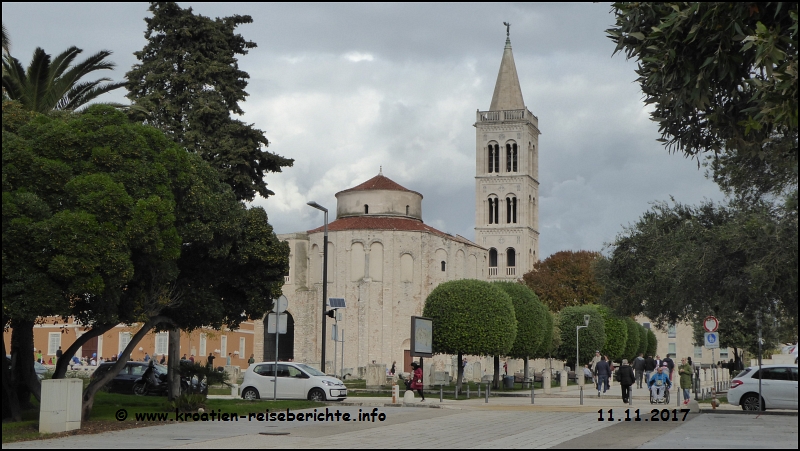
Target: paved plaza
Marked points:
555	421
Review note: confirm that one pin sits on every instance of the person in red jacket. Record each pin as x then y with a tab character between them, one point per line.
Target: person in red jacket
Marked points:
416	379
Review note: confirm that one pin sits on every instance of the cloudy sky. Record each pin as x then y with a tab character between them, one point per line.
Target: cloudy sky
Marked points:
346	89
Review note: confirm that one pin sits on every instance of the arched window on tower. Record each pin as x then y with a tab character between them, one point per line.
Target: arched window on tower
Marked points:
511	210
444	266
494	157
511	157
366	209
511	262
492	262
407	209
494	210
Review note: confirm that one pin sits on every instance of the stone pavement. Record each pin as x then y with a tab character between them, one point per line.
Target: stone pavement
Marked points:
505	422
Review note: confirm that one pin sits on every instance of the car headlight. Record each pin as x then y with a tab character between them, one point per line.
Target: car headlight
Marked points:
329	383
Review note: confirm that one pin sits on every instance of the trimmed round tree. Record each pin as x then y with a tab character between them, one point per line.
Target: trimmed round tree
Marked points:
471	317
592	338
531	320
652	343
616	334
634	336
642	340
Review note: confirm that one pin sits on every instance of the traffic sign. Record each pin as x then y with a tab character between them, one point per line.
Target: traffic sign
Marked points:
281	304
712	340
273	322
711	324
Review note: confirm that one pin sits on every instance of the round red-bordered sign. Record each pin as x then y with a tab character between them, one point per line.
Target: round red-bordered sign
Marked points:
711	324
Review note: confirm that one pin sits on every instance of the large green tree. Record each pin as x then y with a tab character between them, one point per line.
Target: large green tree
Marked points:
531	317
722	79
592	338
564	279
56	83
109	221
616	329
471	317
189	84
681	263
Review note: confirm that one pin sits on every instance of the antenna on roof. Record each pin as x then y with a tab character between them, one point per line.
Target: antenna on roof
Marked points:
380	171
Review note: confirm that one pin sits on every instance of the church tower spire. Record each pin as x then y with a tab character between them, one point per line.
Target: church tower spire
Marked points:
507	92
506	177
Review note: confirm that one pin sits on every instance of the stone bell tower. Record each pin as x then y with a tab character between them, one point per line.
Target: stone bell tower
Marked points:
507	177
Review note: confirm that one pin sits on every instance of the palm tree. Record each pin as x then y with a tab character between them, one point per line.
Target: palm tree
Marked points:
55	85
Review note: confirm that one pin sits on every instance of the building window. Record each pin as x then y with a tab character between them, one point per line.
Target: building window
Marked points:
53	342
444	266
494	158
723	353
511	262
511	157
492	262
698	352
366	209
494	210
242	352
671	332
671	352
202	344
162	343
223	346
407	210
646	325
124	339
511	210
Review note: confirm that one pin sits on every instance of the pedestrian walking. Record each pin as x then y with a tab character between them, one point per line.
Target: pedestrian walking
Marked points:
603	372
638	368
649	367
594	362
626	379
670	365
416	379
685	372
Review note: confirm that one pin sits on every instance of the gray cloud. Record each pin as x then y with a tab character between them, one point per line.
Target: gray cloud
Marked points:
346	88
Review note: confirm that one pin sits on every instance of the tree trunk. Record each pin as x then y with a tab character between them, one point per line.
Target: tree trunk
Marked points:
460	372
95	385
23	379
173	364
526	368
64	362
11	408
496	382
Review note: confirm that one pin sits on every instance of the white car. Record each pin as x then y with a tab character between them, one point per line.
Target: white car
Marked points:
295	381
778	387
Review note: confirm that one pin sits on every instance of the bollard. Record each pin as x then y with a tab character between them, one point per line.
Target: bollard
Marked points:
479	389
487	393
581	394
713	399
456	392
467	390
441	393
630	398
532	394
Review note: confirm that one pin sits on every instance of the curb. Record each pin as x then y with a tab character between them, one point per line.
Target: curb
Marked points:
750	412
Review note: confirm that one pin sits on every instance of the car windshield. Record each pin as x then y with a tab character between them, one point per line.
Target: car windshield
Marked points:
309	370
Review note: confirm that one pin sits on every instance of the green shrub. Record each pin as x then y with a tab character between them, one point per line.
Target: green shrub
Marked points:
531	319
592	338
616	334
632	343
652	343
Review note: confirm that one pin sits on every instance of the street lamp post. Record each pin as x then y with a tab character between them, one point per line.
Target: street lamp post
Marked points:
324	280
578	346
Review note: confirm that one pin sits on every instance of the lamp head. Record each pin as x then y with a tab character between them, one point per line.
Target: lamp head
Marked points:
317	206
586	320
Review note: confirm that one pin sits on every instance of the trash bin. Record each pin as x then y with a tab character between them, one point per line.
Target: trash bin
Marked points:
508	382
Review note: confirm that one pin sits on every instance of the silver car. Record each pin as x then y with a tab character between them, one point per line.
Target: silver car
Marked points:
294	381
778	387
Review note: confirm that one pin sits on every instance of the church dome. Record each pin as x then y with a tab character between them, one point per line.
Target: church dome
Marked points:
379	196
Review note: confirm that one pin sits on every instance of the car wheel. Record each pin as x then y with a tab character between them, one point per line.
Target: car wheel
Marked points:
140	388
250	394
750	402
316	395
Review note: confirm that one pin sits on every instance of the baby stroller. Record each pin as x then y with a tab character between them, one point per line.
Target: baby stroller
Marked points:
662	401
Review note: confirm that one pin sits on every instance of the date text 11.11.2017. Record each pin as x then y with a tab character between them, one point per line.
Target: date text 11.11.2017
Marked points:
655	415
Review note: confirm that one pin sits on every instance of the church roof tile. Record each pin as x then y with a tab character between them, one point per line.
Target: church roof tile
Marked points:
388	223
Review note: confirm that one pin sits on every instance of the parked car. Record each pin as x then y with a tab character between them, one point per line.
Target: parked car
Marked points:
38	368
295	381
778	387
123	382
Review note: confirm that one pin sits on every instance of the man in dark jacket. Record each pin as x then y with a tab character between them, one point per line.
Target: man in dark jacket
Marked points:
638	367
603	373
649	367
670	365
626	379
